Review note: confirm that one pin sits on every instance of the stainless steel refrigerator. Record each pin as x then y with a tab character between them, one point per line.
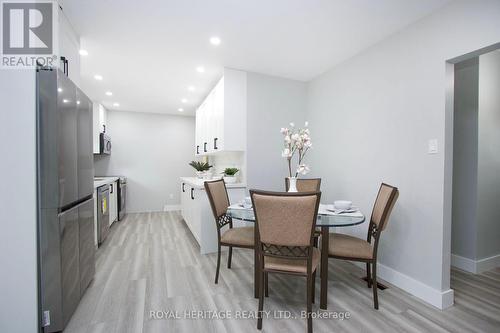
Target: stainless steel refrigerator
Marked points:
65	195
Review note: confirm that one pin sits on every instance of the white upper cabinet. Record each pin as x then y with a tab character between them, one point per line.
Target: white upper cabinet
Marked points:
221	118
69	47
99	115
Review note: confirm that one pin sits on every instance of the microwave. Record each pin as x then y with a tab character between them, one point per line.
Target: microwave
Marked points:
104	144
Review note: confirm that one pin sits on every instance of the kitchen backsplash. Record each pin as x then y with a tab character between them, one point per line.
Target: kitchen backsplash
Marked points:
224	160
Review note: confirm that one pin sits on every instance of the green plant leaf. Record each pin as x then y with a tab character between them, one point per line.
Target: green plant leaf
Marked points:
200	166
230	171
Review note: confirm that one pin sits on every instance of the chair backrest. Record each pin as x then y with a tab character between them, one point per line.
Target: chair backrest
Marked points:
217	195
285	219
386	198
305	184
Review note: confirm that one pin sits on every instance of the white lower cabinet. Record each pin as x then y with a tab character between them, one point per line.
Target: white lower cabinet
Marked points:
197	213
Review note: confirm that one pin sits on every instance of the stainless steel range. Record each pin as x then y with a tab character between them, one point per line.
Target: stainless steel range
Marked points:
122	197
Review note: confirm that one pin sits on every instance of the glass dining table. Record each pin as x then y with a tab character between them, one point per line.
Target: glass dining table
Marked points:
325	221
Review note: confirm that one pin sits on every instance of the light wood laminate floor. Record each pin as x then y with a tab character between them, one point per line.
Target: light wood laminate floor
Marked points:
150	262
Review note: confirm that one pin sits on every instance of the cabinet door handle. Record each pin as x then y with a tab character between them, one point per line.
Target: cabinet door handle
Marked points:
215	143
110	188
63	60
192	193
65	65
205	147
197	149
183	189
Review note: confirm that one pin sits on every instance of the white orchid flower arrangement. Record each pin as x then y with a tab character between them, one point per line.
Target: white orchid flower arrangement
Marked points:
296	141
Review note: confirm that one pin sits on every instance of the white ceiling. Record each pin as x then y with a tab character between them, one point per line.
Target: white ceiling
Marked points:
147	51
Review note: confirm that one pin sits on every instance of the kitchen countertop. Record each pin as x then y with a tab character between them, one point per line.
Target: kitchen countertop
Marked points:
199	183
100	181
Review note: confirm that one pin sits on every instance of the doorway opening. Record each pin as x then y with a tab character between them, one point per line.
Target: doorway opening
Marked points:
472	162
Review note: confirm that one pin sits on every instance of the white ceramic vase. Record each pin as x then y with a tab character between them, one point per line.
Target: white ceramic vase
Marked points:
292	181
230	179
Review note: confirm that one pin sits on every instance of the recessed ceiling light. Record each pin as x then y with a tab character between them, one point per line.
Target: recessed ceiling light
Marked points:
116	104
215	40
200	69
98	77
109	93
191	88
184	100
65	100
83	53
78	102
180	109
59	89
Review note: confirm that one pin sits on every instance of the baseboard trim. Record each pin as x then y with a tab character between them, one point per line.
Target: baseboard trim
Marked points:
486	264
465	264
439	299
475	266
169	208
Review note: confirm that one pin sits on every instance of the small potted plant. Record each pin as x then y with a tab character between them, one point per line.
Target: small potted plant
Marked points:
201	168
230	175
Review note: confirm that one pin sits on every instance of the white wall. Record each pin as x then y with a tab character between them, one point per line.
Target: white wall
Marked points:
152	151
18	252
371	118
272	103
488	179
465	147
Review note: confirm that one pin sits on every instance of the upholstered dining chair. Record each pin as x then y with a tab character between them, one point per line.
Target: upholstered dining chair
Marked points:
285	225
305	184
350	248
232	237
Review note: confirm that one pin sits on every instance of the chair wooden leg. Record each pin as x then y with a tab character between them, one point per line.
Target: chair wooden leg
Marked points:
313	286
368	275
266	282
309	303
229	256
374	285
261	299
218	266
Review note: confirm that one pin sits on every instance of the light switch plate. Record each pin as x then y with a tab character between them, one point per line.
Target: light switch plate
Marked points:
433	146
